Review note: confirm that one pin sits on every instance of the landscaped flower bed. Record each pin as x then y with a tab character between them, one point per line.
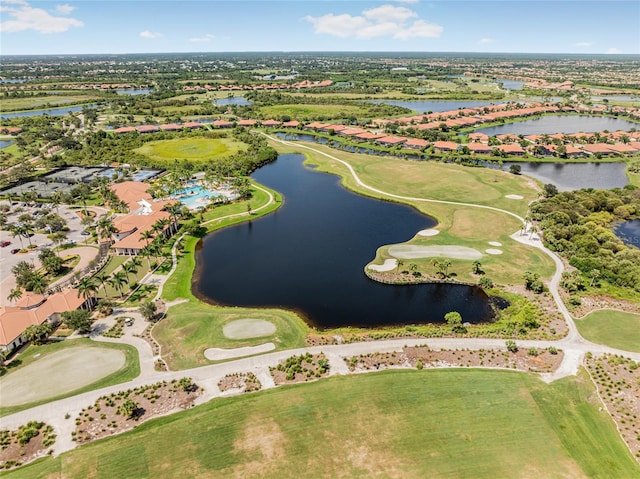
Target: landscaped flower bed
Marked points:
301	368
246	382
28	442
124	410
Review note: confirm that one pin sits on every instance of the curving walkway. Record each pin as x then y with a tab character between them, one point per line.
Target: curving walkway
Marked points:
573	345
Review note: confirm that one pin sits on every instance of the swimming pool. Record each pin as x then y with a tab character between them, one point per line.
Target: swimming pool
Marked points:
195	197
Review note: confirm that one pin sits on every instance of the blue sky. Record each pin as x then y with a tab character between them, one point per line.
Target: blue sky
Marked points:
147	26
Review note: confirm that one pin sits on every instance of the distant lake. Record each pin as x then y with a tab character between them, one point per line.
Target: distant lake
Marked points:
232	100
309	256
12	80
575	176
133	91
510	84
561	124
5	143
436	106
599	99
50	111
629	232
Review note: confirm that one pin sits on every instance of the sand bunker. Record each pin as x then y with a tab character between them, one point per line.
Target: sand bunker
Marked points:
216	354
495	243
388	265
493	251
514	197
434	251
248	328
429	232
59	373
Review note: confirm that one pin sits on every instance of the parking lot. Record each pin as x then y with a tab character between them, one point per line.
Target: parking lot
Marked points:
8	260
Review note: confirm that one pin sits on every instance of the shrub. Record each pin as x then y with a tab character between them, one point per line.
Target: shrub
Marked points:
511	346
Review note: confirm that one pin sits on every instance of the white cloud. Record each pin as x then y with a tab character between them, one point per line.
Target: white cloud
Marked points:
203	39
24	17
150	35
484	41
584	44
389	13
65	9
383	21
614	50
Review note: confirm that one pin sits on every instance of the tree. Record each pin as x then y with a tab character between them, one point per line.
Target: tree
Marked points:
128	408
78	320
117	281
549	190
454	319
128	269
515	169
38	284
15	294
148	310
102	278
36	333
485	282
476	267
50	261
594	274
86	288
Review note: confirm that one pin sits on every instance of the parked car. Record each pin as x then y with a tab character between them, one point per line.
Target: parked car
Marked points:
4	244
85	233
15	250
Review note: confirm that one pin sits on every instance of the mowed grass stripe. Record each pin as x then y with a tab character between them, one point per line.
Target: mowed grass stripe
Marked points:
438	423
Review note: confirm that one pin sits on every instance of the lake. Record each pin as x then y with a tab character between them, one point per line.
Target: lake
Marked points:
309	257
510	84
5	143
575	176
561	124
50	111
134	91
629	232
232	100
437	106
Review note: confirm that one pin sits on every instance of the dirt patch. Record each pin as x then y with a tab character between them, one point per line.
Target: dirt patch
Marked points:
59	373
435	251
122	411
248	328
263	441
530	360
618	381
243	382
25	444
303	368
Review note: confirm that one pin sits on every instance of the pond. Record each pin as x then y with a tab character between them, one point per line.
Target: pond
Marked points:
560	124
575	176
510	84
437	106
309	256
50	111
629	232
134	91
5	143
232	100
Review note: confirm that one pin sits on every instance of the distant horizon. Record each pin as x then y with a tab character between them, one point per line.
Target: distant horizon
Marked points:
331	52
101	27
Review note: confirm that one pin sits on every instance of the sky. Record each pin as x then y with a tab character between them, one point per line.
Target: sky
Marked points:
154	26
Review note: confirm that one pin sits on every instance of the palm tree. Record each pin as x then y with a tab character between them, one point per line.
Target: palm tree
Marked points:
129	268
38	284
15	294
86	288
102	278
117	281
136	263
147	235
399	264
146	252
105	226
17	232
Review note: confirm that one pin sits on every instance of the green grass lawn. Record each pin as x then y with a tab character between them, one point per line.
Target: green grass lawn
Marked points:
405	424
192	327
307	111
44	101
129	371
197	149
613	328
